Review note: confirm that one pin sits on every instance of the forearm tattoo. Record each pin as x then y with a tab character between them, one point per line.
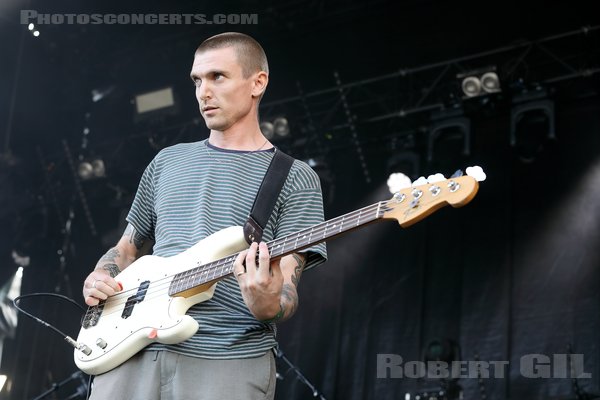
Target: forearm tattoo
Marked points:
112	269
110	266
110	255
290	296
134	237
297	269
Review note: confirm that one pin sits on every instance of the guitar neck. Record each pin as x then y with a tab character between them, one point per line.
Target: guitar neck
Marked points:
408	206
281	247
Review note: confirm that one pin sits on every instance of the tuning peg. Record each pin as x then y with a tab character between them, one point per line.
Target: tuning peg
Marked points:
436	178
457	174
421	181
477	173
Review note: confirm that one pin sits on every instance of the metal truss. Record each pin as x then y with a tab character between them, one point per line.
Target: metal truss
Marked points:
355	113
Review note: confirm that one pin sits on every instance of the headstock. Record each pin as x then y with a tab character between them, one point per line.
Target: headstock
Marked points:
423	197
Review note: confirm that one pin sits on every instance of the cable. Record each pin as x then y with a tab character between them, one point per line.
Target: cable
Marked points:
79	346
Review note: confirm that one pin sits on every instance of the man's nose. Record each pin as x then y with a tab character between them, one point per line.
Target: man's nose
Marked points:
204	91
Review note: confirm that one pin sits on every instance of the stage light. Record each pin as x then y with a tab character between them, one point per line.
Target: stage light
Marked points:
155	104
471	86
490	82
267	129
91	169
100	93
277	128
479	82
281	126
31	26
449	125
36	33
531	123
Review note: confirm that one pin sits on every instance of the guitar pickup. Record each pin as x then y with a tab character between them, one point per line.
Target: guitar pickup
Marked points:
136	298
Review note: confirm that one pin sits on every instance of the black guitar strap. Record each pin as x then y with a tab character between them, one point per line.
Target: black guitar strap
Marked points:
267	196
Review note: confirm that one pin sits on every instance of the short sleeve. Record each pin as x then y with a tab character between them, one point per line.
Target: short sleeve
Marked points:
303	208
142	214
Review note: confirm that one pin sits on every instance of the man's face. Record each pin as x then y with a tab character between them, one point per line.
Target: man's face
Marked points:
224	95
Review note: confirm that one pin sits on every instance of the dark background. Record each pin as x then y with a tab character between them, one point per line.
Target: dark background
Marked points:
513	273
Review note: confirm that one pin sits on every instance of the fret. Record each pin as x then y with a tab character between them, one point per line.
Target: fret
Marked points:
188	280
341	224
358	220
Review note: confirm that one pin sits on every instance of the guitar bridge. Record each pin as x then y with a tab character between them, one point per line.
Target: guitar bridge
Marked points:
92	315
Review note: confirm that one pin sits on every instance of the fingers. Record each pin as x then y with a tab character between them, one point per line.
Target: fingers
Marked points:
238	266
265	270
99	285
246	266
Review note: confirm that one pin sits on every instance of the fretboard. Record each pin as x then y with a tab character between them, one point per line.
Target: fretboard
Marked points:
280	247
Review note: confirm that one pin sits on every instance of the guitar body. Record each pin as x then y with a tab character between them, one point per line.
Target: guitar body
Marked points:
144	312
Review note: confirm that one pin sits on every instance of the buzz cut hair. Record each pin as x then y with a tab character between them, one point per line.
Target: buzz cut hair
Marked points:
250	54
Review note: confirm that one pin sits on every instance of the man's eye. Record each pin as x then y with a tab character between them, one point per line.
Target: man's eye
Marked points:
218	75
197	82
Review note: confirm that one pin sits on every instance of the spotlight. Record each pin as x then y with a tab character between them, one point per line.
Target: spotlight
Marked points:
278	128
471	86
490	82
100	93
155	104
36	33
281	126
480	82
93	169
31	26
267	129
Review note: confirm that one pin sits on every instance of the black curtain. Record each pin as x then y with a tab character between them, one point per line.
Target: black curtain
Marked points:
514	273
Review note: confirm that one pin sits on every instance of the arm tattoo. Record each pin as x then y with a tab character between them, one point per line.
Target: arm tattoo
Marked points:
112	269
110	255
298	269
134	236
289	294
110	266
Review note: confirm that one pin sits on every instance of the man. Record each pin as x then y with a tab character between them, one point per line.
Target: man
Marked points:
190	191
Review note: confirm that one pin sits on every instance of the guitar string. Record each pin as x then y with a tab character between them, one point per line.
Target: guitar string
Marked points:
158	286
212	266
284	242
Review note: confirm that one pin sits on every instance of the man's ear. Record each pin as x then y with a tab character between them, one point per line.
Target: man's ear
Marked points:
261	80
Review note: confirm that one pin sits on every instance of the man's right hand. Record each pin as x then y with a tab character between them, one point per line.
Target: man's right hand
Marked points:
98	286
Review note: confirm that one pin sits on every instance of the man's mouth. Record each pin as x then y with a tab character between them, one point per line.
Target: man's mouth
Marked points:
208	108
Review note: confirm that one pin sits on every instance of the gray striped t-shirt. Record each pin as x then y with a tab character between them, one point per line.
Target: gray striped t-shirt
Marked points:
192	190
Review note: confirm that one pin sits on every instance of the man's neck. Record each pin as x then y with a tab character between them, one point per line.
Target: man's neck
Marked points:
238	139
